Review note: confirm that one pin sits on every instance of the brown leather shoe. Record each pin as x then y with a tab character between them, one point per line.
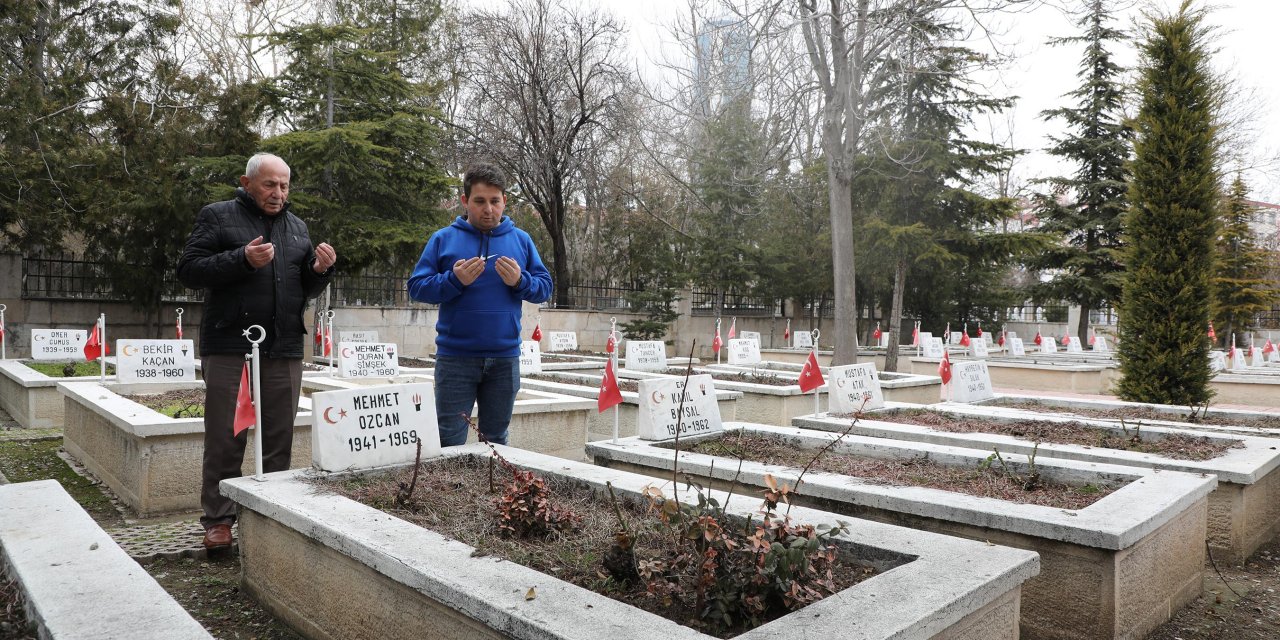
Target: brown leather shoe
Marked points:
217	536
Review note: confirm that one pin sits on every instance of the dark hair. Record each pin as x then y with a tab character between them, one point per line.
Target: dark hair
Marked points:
485	173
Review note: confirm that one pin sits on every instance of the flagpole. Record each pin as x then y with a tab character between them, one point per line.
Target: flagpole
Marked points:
3	355
814	352
327	342
613	327
179	312
256	378
102	337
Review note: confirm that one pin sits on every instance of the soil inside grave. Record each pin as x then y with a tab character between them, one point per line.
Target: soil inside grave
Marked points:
988	481
1170	445
771	379
624	384
416	363
13	620
179	403
452	499
69	369
1141	413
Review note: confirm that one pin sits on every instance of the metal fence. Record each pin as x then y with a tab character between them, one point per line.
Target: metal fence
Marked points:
65	278
592	297
706	303
369	291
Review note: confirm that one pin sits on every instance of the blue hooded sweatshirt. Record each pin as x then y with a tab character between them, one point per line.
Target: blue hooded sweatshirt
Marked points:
480	320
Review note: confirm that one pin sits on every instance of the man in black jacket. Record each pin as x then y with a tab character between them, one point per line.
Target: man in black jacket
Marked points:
254	260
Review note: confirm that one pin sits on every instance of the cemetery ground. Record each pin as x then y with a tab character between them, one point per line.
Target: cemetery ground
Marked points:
1238	602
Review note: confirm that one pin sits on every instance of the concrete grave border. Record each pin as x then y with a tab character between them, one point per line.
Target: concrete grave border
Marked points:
1216	420
896	387
303	551
76	582
1244	510
32	397
1141	546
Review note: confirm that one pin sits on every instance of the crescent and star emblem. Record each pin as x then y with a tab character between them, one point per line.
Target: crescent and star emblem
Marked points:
346	353
128	350
840	382
342	413
658	396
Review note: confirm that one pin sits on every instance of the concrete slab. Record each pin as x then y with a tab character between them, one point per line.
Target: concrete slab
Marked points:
302	548
1115	569
1244	510
76	583
31	397
1035	374
1221	420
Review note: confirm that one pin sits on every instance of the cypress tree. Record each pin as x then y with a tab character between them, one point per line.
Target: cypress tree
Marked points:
1239	288
1171	224
1089	261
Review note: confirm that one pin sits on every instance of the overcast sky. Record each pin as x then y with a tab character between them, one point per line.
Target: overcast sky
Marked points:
1246	38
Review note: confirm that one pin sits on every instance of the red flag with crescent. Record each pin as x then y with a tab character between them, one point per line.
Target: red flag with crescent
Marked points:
944	368
811	375
537	333
93	348
610	394
244	404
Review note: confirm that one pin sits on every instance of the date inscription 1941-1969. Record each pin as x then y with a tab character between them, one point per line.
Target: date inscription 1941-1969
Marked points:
393	439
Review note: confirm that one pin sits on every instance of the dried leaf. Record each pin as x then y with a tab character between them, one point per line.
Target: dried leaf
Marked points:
530	594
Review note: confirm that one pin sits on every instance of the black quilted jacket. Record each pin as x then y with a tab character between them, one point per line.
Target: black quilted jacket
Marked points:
237	295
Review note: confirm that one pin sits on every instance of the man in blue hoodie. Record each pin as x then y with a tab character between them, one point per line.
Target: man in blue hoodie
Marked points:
478	269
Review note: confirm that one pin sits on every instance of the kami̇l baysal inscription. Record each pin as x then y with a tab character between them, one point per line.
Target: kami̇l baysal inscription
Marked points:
373	426
368	360
970	382
743	351
357	336
530	357
155	361
562	341
851	385
58	344
664	402
646	355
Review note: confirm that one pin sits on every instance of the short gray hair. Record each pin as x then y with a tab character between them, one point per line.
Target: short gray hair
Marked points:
251	167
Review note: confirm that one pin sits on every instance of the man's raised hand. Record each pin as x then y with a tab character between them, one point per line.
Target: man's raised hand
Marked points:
466	271
325	257
509	270
258	253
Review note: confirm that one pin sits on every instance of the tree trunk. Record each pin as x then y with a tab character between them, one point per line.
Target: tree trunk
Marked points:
895	315
1082	328
846	317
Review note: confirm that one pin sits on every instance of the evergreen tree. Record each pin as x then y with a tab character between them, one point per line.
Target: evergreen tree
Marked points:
1087	208
1240	289
1171	224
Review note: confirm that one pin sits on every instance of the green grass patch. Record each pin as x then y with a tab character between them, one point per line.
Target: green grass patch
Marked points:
179	410
60	369
28	460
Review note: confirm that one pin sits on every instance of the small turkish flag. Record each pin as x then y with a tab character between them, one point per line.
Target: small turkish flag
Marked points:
1038	338
915	335
964	339
93	348
328	341
979	329
319	332
244	404
811	375
610	394
537	333
178	324
715	344
876	334
1212	334
1266	348
944	368
2	333
786	333
733	329
1000	342
611	344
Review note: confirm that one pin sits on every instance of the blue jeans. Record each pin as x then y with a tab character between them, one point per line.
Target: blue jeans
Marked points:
489	383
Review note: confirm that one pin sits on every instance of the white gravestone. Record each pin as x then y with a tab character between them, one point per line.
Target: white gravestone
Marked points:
1217	361
750	335
661	408
802	340
1237	360
923	338
357	336
744	352
979	348
970	382
1274	356
1073	345
1048	345
530	357
155	361
368	360
955	337
646	355
933	348
1016	348
373	426
563	341
58	344
884	339
986	337
1256	358
1100	344
852	384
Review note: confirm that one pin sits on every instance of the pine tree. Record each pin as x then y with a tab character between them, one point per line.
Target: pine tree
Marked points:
1090	219
1171	222
1239	288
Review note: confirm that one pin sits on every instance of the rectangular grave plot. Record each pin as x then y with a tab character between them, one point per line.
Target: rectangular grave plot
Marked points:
304	551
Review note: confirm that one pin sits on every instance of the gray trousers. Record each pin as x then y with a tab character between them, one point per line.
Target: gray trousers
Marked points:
224	453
